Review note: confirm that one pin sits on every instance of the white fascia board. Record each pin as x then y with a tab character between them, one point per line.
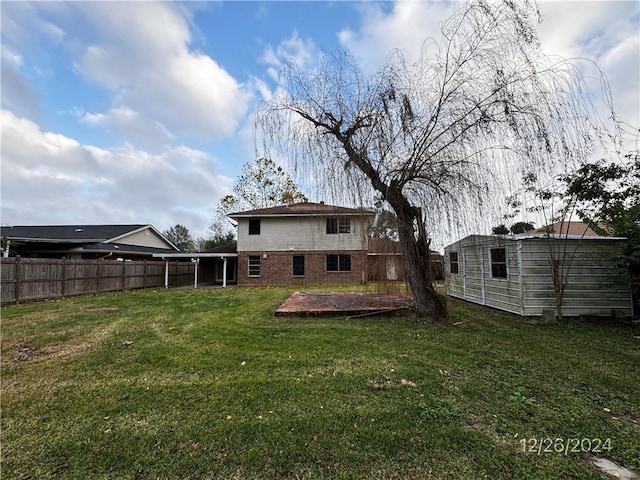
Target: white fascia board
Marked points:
144	227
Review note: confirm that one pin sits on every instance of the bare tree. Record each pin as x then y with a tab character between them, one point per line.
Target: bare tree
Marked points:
557	208
482	104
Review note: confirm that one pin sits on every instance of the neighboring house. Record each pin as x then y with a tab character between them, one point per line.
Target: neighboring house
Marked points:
302	243
385	261
111	242
569	228
513	273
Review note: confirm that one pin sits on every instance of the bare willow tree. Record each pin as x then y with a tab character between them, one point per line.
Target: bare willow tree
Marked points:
483	103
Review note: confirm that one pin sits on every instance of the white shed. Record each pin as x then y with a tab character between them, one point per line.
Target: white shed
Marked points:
513	273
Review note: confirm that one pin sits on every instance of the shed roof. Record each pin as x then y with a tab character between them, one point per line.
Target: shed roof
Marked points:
302	209
531	237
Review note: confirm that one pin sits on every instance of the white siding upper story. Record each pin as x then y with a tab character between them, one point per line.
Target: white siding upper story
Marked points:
144	237
301	233
594	286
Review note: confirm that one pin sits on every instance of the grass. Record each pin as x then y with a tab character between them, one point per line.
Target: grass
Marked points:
215	386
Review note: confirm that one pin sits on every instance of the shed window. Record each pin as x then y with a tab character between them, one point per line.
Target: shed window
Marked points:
338	225
453	261
338	263
298	265
254	226
254	265
498	263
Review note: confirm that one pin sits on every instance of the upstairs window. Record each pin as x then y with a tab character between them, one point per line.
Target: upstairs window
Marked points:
498	263
254	226
338	225
453	262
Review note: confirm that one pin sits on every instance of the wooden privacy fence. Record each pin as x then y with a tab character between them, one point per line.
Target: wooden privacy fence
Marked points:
29	279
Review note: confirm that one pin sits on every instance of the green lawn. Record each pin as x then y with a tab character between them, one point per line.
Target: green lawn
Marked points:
215	386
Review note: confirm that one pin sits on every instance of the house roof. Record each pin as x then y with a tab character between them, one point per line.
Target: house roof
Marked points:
301	209
69	233
95	238
569	228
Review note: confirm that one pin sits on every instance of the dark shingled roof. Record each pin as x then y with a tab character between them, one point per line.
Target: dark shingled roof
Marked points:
302	209
68	233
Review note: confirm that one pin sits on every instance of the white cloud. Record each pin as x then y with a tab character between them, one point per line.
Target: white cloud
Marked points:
132	127
406	26
299	51
138	53
607	32
141	55
49	178
10	57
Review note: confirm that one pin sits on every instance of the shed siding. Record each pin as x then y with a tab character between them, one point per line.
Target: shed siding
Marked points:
595	286
503	293
280	234
474	281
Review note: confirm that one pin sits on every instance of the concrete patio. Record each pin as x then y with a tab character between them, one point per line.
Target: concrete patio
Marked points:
342	304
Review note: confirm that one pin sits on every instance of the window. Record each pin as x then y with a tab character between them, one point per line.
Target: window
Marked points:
338	263
498	263
338	225
254	226
298	265
254	265
453	261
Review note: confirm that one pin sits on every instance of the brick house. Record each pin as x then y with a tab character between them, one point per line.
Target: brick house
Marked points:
303	243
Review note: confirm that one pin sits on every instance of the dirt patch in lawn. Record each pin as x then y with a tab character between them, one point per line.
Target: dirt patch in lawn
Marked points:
25	352
342	304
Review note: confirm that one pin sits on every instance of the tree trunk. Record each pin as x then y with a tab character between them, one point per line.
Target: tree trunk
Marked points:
417	257
413	236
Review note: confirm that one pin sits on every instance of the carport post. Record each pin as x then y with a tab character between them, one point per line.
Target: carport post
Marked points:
224	272
195	272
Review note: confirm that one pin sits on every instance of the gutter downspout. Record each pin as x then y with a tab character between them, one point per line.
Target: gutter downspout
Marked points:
166	272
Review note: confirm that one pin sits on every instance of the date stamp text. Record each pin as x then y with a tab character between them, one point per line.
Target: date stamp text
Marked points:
565	446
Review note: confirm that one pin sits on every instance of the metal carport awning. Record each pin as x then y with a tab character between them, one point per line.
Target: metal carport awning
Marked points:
195	258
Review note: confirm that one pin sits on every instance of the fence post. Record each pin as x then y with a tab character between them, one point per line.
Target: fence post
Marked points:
64	277
144	275
16	294
99	276
124	266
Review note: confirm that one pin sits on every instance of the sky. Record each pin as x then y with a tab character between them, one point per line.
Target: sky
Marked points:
143	112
